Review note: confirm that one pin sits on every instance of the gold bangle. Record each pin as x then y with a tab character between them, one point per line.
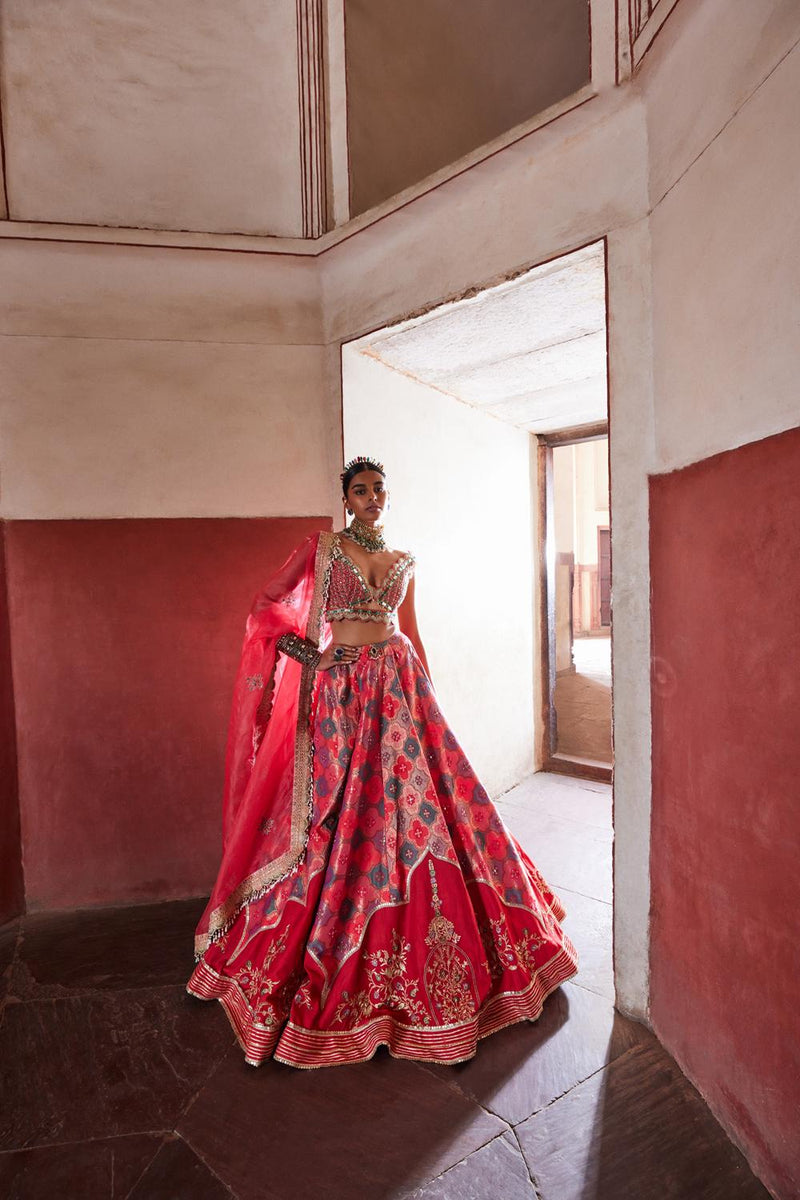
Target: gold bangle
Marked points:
300	649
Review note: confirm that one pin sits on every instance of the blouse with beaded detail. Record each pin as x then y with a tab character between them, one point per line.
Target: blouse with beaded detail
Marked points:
351	598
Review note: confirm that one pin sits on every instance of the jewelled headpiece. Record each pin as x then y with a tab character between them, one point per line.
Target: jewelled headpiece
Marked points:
365	461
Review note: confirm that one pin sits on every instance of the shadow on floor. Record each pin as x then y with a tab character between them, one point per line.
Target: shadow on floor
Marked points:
116	1084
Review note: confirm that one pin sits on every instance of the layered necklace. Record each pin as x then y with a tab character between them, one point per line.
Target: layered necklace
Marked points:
370	537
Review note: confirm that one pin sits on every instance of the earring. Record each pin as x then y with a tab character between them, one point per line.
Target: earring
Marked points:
349	512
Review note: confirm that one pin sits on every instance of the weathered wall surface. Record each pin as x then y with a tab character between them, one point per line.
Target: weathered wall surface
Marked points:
725	250
726	760
725	161
460	494
126	637
523	206
157	116
142	388
144	382
12	891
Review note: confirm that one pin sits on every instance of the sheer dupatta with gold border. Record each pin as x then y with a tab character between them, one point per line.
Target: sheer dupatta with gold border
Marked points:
268	765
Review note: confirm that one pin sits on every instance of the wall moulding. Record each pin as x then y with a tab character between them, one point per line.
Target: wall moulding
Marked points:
646	19
311	95
310	245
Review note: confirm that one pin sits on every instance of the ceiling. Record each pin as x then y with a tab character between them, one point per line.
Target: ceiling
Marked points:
531	352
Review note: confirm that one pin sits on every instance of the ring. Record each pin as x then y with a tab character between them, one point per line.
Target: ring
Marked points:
338	652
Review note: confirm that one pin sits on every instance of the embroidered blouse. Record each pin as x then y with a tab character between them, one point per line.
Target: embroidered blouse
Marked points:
351	598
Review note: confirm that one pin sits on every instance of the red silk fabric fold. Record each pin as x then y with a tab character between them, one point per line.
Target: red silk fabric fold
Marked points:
266	802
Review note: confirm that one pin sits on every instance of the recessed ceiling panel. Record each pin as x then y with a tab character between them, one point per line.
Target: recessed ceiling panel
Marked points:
562	362
531	351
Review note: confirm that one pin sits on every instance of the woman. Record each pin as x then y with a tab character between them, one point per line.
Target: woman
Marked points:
369	893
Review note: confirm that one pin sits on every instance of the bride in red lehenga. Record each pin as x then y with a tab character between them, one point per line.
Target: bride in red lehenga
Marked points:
369	893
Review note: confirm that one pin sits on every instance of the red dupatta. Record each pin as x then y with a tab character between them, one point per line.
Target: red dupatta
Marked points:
268	765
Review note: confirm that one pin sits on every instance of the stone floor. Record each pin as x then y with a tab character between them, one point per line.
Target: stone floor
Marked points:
115	1083
582	702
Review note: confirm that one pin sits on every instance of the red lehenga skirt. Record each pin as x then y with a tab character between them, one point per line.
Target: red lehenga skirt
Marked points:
414	919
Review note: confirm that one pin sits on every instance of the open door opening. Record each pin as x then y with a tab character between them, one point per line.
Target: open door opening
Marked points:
467	404
575	597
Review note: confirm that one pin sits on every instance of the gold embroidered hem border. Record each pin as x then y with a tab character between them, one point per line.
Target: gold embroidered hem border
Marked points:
447	1044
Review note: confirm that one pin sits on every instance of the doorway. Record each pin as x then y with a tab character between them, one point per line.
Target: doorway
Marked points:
575	596
459	402
466	405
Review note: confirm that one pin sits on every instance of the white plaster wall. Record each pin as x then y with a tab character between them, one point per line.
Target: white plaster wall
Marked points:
564	498
100	428
725	237
460	493
590	480
169	116
630	421
708	59
564	536
71	289
143	383
523	206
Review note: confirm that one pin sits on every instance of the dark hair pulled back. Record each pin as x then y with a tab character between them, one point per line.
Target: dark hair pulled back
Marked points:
355	467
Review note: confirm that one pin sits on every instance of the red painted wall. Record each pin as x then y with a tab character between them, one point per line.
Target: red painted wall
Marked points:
11	882
125	636
725	963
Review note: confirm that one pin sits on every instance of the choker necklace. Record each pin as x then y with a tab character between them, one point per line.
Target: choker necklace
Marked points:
370	537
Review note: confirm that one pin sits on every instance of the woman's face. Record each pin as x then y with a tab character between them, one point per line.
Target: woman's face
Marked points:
367	496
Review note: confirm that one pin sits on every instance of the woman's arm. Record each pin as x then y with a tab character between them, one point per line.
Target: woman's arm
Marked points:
407	618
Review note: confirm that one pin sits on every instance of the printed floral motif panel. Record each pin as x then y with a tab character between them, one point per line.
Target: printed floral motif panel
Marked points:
412	899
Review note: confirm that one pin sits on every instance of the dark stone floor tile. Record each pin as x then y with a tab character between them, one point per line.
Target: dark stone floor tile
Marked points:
149	945
589	924
521	1069
635	1131
379	1129
104	1064
101	1170
176	1173
497	1170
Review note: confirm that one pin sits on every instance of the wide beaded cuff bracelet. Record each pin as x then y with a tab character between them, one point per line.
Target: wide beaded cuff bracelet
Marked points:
300	649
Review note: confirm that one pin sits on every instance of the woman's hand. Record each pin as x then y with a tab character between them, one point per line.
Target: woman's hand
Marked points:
335	655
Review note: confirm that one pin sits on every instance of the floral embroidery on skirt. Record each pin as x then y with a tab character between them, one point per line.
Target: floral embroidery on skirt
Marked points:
414	919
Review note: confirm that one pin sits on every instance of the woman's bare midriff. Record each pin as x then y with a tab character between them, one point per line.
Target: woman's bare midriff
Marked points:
361	633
